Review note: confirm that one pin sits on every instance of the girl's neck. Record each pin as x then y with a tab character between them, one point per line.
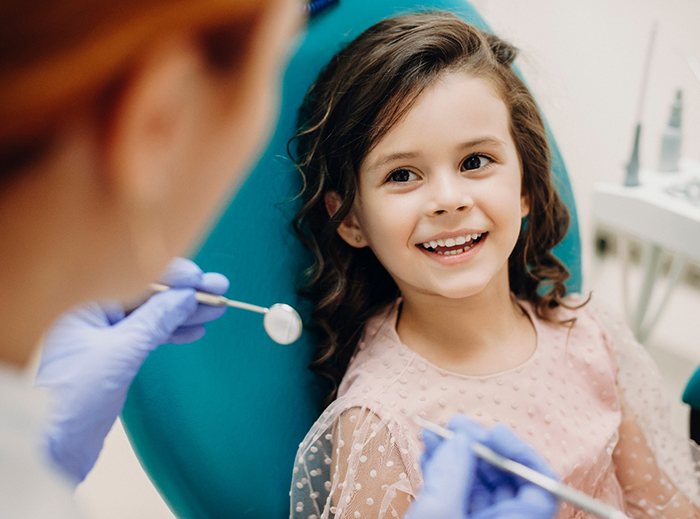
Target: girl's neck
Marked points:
482	334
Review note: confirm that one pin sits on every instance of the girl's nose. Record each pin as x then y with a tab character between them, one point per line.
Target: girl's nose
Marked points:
449	195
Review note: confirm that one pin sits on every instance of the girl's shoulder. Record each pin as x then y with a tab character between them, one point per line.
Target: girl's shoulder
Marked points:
592	313
377	351
591	320
579	312
586	322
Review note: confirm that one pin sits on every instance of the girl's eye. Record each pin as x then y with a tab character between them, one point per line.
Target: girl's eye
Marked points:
401	175
475	162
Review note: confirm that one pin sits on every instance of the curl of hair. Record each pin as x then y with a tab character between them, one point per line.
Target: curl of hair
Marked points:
361	94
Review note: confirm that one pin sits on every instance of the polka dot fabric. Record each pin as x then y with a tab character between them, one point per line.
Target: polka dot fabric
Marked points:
588	399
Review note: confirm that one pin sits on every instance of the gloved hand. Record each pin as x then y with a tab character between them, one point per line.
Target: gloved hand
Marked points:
92	354
458	485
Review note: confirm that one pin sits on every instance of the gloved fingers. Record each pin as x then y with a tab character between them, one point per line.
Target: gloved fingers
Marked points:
460	422
507	488
431	442
204	314
534	507
494	478
448	476
182	272
482	496
91	314
505	442
505	491
157	319
538	499
506	510
114	311
187	334
464	424
213	283
88	317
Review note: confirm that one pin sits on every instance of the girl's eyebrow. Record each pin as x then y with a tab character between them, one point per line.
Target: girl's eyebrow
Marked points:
394	156
479	141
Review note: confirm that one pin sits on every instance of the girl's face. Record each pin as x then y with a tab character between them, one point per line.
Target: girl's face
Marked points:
439	200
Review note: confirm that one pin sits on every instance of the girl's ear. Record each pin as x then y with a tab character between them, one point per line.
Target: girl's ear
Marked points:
349	229
524	205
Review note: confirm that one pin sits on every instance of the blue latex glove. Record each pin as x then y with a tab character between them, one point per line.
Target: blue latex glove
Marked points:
92	354
458	485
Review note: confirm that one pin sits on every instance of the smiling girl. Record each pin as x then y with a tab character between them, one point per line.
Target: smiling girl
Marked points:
430	208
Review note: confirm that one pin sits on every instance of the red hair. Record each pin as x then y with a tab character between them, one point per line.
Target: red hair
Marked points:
57	56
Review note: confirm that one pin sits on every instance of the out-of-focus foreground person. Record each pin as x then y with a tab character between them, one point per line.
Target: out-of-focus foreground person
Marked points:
124	127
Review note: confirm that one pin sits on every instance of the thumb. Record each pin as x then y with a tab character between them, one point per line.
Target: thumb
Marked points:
540	505
448	478
431	441
156	320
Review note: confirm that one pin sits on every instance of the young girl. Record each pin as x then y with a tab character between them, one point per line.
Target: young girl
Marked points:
430	208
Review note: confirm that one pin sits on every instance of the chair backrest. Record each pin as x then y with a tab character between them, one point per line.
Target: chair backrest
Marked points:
216	424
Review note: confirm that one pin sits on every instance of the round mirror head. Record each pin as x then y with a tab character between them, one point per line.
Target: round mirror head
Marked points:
282	323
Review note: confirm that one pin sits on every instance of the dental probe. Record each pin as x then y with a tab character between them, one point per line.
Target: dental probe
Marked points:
281	322
552	486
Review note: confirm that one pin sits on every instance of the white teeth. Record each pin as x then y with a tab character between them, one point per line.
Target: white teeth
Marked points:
451	242
452	252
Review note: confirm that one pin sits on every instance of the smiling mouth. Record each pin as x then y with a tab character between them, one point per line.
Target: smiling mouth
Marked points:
452	246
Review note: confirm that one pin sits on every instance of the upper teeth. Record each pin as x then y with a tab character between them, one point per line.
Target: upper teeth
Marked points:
451	242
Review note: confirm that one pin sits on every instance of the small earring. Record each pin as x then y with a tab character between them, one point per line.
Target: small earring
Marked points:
358	238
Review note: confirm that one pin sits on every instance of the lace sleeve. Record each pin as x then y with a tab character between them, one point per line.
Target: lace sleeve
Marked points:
352	465
655	465
648	490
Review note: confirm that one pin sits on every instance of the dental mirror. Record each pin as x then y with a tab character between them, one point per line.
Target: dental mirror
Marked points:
281	322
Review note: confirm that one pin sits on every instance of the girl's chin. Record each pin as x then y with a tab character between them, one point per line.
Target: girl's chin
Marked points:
458	293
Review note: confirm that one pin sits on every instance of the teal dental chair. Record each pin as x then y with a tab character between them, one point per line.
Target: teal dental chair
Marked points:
216	424
691	396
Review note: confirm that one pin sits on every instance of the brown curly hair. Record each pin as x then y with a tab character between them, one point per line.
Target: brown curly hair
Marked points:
360	95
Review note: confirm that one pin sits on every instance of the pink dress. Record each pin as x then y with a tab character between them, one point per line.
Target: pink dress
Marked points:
361	458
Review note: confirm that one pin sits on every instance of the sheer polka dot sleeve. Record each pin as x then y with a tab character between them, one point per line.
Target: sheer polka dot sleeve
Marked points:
354	463
648	490
654	464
